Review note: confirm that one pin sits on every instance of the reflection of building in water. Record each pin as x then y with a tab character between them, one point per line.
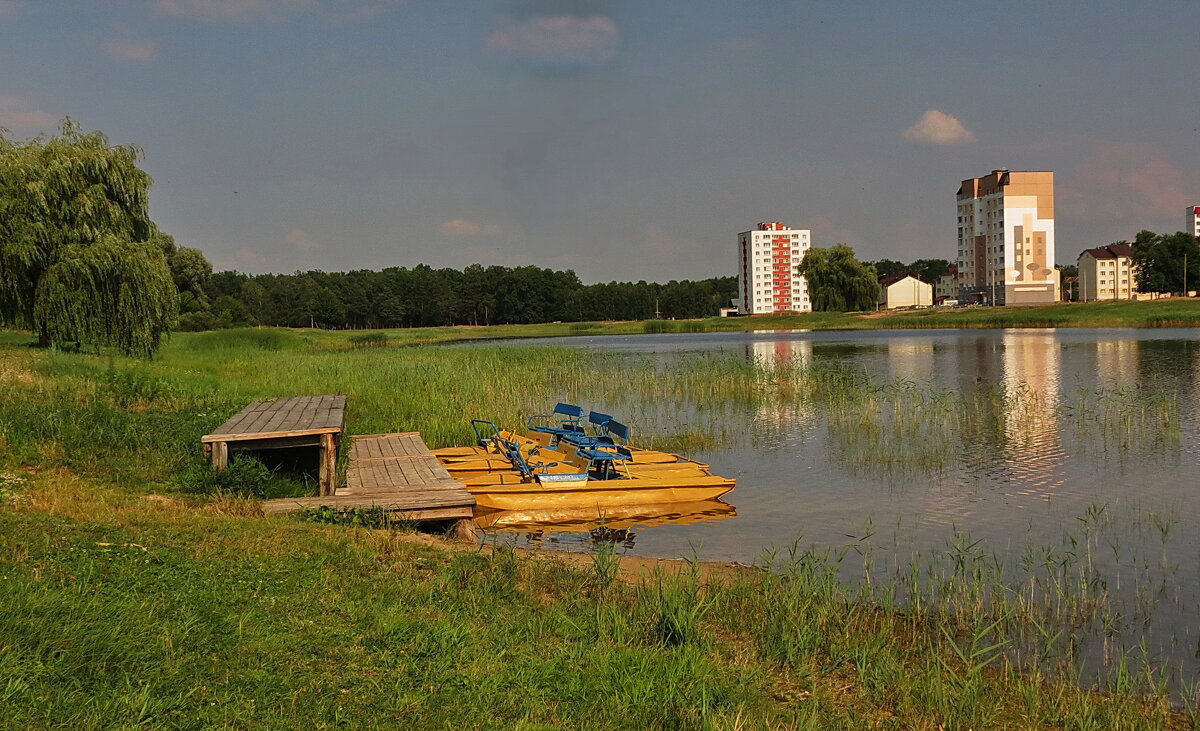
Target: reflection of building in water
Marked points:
782	412
781	352
1116	363
1033	452
910	359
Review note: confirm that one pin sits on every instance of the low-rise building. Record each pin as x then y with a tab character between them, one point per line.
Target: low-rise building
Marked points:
1107	273
898	291
946	287
1193	221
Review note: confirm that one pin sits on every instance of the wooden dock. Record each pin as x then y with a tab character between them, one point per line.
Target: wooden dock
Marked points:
394	472
295	421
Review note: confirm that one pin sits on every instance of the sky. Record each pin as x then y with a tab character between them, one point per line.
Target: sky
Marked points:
623	139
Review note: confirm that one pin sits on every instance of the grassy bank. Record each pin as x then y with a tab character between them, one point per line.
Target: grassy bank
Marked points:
1159	313
137	590
125	610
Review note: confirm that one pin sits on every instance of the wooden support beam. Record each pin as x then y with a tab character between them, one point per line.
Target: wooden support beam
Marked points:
220	456
328	464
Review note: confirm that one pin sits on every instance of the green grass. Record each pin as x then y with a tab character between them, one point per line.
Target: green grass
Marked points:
1157	313
136	588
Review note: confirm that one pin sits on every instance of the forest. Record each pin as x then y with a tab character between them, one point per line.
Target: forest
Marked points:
426	297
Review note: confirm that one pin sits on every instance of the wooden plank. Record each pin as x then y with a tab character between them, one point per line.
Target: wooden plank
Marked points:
347	502
395	472
282	415
215	437
416	514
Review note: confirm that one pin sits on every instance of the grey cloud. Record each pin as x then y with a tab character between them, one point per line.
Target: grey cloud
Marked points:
558	40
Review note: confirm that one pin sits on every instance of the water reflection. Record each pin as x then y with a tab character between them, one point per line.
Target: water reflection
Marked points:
1049	450
1033	451
618	524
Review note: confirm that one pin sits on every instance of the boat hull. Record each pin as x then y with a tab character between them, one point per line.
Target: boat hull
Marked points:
598	494
582	520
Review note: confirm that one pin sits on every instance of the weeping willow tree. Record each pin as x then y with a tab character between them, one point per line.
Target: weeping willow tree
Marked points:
838	281
77	260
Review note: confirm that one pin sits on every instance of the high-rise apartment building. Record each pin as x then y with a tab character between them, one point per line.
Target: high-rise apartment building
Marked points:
1006	238
1193	221
767	277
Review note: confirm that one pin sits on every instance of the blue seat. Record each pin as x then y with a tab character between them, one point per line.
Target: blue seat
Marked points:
603	459
612	433
565	419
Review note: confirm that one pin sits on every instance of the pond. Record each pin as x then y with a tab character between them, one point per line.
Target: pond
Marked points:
1053	460
798	477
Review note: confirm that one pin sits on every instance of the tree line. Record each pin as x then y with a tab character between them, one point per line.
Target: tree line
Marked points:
426	297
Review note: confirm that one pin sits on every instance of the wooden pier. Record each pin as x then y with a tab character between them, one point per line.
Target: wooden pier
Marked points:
393	472
295	421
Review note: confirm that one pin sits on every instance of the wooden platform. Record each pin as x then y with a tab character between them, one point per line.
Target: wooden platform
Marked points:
395	472
295	421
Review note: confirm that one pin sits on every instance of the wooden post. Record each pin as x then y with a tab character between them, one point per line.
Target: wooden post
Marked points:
220	456
328	463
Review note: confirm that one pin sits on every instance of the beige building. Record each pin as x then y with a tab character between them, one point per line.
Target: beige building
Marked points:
1006	238
1107	273
946	287
904	290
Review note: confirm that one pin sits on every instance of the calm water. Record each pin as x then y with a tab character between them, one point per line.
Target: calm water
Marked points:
1092	459
796	481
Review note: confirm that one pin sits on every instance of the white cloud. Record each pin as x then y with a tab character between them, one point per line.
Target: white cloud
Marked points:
131	50
463	227
559	39
18	113
300	239
233	11
938	128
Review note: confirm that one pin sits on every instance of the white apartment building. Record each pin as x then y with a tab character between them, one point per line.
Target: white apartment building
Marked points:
767	261
1193	221
1006	238
1107	273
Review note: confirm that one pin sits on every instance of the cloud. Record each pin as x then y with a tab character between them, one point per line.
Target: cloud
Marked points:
132	50
826	233
938	128
273	11
558	40
18	113
1133	179
9	8
234	11
463	227
248	260
300	239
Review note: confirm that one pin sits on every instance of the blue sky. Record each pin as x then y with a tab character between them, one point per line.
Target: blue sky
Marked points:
624	139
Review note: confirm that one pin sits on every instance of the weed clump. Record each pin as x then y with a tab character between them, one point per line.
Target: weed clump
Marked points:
368	340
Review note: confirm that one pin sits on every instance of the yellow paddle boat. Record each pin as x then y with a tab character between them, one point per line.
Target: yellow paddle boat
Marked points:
508	472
